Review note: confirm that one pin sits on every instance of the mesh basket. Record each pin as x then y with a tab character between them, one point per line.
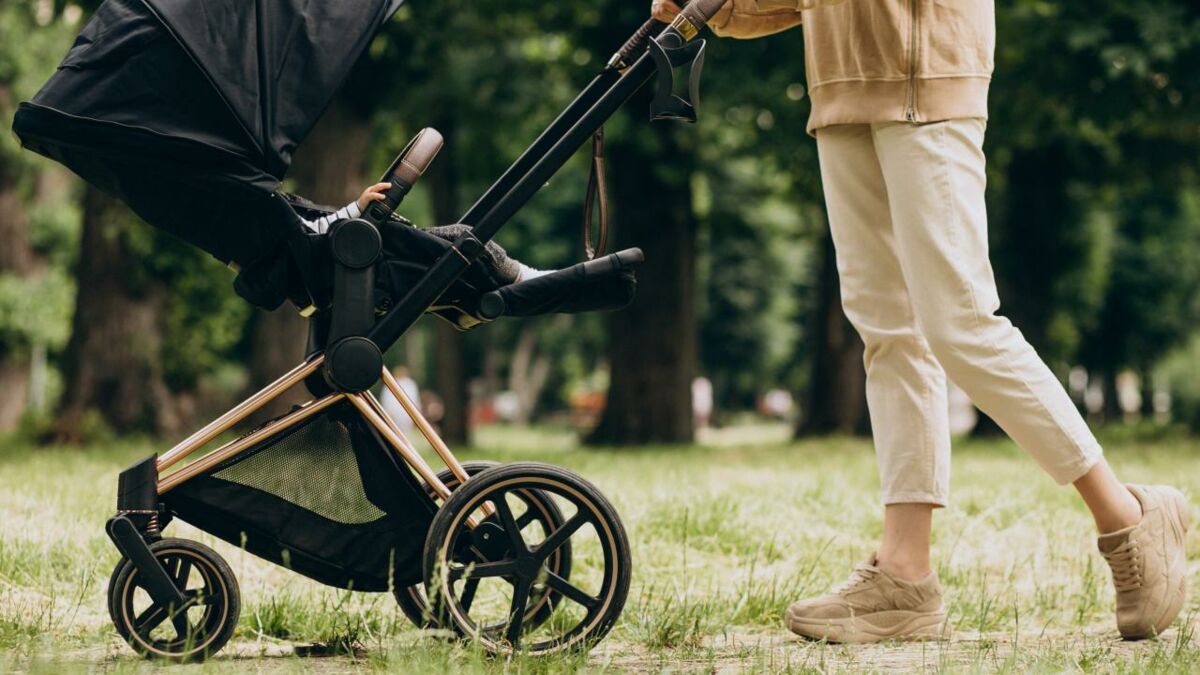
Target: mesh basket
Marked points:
326	498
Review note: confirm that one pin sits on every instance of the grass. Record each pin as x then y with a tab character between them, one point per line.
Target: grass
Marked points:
725	535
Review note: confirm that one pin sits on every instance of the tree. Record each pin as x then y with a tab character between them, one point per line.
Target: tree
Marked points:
113	361
17	265
34	298
1087	239
652	343
1150	304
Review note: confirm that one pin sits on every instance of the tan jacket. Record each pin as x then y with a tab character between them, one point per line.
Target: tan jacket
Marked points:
881	60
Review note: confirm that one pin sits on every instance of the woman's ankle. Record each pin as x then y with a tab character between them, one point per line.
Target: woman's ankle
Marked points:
914	569
1112	505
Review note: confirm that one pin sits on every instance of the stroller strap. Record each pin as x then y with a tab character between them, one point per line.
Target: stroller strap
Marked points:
597	191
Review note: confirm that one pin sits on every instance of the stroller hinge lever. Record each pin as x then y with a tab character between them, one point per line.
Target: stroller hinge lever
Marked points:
667	57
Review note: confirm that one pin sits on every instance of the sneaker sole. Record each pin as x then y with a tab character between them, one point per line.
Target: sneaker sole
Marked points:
895	625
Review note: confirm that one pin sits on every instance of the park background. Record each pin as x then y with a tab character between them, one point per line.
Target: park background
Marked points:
117	340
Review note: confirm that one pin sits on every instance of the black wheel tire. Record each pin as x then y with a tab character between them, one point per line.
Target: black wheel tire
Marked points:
603	610
412	600
210	628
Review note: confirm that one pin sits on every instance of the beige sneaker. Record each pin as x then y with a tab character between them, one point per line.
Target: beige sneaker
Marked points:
1149	563
872	606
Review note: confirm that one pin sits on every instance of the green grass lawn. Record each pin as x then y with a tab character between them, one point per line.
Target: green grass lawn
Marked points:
724	535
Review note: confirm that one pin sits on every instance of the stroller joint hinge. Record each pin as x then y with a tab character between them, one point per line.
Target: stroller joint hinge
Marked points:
468	247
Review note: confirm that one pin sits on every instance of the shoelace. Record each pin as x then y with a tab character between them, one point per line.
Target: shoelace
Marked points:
1126	563
861	575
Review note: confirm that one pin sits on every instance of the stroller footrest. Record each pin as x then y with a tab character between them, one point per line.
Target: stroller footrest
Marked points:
605	283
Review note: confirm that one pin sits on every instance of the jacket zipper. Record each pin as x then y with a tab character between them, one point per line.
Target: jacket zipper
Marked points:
910	112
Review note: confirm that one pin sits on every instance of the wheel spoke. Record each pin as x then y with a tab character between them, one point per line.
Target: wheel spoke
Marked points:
516	613
526	518
146	621
180	575
560	536
481	570
510	523
201	597
179	620
571	591
468	594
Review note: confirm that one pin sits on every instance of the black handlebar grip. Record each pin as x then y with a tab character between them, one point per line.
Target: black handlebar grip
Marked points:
636	44
696	12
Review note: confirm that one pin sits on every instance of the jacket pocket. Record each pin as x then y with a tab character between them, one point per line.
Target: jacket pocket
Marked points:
857	41
958	38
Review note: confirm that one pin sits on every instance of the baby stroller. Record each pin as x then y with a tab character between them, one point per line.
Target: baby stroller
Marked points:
183	107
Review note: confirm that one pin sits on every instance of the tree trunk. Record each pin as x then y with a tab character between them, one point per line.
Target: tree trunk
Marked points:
529	370
652	347
1146	381
113	362
328	169
1112	398
16	260
836	400
450	356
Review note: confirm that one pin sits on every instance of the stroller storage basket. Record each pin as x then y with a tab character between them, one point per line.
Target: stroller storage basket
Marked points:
327	499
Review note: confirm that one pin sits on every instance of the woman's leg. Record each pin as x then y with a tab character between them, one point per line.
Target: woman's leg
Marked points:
893	595
906	387
935	173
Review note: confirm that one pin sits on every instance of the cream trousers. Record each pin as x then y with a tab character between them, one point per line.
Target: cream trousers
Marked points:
907	215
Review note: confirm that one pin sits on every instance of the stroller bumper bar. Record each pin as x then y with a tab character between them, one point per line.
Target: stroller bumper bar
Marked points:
603	283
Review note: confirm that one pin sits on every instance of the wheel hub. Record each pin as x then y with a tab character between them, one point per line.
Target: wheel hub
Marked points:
492	541
528	567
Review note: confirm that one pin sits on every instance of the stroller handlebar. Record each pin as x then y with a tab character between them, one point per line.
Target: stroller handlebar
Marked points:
406	169
696	13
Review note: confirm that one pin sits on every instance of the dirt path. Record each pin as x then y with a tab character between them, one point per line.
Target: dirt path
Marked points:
1094	648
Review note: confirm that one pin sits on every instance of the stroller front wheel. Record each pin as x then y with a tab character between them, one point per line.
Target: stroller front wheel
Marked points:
191	633
541	509
483	571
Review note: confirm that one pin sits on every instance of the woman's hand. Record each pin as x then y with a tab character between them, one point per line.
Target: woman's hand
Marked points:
372	194
664	10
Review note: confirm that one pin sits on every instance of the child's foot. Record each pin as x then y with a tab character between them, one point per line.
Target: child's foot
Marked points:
873	606
1149	563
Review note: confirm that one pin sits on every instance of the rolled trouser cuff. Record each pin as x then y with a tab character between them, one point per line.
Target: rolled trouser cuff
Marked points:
939	501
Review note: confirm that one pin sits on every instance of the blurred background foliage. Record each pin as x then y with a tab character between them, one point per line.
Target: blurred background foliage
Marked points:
108	326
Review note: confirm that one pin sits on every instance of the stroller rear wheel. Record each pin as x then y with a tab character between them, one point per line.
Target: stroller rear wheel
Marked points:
191	633
540	511
481	579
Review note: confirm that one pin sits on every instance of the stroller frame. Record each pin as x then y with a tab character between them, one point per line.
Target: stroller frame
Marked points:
365	402
135	529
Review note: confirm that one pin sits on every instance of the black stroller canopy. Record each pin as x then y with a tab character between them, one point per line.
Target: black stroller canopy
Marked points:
189	110
275	63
